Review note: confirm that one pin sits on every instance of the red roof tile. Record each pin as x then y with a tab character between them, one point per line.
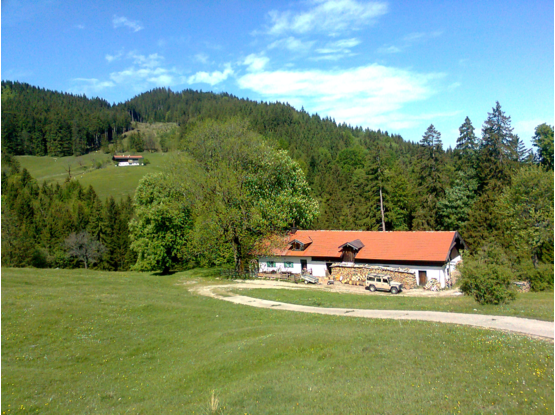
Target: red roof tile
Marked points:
378	246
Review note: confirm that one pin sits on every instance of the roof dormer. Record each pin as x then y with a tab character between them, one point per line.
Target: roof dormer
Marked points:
349	250
299	244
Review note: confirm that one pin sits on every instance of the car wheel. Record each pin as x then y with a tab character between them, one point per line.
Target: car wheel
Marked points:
394	290
372	288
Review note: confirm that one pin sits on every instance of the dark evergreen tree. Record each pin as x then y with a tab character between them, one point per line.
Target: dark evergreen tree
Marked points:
467	145
430	179
497	149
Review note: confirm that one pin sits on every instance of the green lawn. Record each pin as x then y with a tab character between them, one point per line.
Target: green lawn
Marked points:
529	305
84	342
109	180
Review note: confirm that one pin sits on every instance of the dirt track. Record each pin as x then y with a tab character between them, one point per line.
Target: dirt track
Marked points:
536	328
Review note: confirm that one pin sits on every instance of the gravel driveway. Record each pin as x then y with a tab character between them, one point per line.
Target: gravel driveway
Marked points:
536	328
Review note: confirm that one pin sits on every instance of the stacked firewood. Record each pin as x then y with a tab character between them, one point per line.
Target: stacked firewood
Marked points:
356	274
433	285
522	286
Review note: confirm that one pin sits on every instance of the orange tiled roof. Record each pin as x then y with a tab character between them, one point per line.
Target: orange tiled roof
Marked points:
127	157
378	246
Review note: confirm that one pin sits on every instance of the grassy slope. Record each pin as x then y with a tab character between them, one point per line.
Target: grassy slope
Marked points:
98	342
109	180
528	305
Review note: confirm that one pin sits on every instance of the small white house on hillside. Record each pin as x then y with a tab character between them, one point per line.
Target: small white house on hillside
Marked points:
128	160
431	255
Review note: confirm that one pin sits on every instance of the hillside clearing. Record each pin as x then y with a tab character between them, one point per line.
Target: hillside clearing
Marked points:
107	180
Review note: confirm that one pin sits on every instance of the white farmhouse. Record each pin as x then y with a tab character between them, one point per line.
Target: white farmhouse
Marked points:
128	160
430	255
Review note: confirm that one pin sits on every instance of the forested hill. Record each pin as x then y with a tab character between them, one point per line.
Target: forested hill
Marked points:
40	122
294	130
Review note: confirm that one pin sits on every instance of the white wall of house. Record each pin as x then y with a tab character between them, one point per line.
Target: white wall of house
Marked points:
283	264
318	268
126	163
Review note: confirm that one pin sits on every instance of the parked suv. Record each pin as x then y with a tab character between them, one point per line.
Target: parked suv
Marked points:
382	283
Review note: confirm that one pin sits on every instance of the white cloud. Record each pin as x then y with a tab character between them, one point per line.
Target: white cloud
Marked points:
111	58
89	86
326	16
292	44
339	46
151	61
139	78
255	63
212	78
453	86
80	26
145	71
368	95
120	21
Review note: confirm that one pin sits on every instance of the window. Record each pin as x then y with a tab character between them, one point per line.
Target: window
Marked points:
297	246
373	279
271	264
288	265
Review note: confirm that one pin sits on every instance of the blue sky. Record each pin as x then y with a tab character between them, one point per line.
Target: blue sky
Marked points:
392	65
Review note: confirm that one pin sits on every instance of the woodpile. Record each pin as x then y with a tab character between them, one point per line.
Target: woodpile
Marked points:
355	274
522	286
279	276
433	285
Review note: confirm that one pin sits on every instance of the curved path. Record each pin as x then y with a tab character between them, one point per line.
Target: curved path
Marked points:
536	328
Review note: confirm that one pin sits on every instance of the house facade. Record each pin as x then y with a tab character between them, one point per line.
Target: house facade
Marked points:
128	160
429	255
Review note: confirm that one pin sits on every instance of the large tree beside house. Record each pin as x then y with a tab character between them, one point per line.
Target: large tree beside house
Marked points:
241	190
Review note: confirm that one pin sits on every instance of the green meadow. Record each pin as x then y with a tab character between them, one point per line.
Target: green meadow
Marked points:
107	180
92	342
536	305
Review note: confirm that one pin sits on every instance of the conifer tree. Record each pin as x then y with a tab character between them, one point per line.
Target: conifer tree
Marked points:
467	145
497	149
430	181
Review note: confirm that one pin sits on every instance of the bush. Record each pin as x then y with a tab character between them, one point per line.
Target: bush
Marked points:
541	278
146	162
488	283
40	258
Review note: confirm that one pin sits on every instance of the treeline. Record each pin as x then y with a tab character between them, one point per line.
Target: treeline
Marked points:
40	122
39	220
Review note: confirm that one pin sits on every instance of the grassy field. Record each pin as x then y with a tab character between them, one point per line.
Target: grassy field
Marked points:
529	305
108	180
97	342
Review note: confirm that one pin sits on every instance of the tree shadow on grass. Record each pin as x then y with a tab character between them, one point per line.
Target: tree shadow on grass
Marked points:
164	273
191	273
